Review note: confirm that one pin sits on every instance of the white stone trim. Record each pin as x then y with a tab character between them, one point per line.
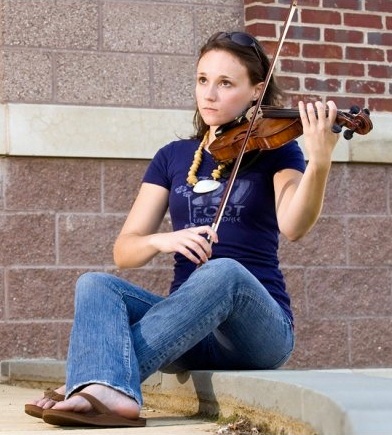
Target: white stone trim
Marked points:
80	131
113	132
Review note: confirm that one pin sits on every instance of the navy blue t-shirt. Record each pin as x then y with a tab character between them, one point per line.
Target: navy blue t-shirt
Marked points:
248	231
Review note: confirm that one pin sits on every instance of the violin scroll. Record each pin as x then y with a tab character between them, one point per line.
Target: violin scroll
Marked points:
356	121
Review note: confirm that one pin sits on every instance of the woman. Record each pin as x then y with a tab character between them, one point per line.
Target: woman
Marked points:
228	307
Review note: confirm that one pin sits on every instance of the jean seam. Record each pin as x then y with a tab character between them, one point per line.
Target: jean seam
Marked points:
283	317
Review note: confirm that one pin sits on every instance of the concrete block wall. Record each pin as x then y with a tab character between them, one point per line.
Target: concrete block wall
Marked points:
59	216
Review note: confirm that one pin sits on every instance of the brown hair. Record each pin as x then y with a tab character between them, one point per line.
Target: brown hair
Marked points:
256	63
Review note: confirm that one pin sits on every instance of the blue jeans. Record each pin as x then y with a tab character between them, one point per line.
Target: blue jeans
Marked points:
221	318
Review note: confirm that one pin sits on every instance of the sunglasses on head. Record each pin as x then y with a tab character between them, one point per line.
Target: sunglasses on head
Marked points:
243	39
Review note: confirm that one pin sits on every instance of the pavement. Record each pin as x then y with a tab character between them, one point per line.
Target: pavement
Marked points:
289	402
13	420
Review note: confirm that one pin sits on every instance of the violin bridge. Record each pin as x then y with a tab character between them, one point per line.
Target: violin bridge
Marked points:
250	112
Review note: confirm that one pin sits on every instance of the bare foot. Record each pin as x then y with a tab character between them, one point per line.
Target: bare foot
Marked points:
119	403
47	403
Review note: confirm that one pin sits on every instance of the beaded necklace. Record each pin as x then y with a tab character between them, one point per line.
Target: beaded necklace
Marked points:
203	186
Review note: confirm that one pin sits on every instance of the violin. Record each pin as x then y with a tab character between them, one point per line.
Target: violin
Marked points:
275	127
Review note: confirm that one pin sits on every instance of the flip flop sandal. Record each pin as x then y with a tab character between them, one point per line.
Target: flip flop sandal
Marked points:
36	411
100	416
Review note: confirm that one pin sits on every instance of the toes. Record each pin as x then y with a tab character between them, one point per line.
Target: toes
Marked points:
48	404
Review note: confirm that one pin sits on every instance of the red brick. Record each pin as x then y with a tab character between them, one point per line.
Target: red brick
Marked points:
362	54
380	71
249	2
324	85
265	13
344	103
299	66
343	69
289	49
342	4
365	87
295	98
345	36
310	3
322	51
322	16
289	83
380	38
378	6
262	30
303	33
381	104
363	21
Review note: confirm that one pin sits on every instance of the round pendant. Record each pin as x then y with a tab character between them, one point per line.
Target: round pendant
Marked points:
204	186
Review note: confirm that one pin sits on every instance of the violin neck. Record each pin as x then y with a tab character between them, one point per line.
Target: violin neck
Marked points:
275	112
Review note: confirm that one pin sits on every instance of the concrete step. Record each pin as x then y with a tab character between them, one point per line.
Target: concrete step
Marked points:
303	402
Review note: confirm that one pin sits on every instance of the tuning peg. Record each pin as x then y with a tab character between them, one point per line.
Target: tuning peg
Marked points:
348	134
354	110
336	128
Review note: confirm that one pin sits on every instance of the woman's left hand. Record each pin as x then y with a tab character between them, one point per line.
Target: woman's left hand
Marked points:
317	121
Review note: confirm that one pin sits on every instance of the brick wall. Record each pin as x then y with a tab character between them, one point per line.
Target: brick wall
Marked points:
335	49
59	216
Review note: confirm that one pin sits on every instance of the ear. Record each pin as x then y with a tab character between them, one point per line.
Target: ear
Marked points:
258	90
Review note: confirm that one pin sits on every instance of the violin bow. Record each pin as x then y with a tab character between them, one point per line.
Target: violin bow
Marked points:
234	172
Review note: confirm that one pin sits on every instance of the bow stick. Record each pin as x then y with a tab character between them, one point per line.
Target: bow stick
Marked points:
234	172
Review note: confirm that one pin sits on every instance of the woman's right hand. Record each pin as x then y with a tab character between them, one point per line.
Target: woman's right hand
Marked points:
139	240
193	243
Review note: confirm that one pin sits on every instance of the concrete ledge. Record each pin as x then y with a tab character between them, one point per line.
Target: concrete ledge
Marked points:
136	133
330	402
46	371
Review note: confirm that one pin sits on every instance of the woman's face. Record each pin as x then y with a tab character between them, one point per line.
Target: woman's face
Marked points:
223	88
